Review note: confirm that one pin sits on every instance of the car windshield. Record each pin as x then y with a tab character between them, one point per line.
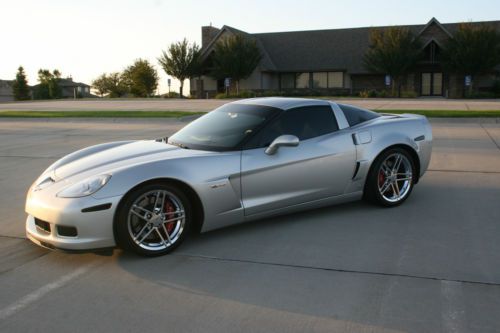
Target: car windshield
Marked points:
224	128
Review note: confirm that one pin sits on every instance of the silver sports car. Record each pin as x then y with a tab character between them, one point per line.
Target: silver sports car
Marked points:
243	161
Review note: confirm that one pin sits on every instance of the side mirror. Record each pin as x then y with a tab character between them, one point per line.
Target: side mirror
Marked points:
282	141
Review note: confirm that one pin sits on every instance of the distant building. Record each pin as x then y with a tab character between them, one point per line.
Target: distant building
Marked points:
6	94
71	89
332	61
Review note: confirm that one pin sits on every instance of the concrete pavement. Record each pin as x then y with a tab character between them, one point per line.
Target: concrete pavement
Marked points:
430	265
210	104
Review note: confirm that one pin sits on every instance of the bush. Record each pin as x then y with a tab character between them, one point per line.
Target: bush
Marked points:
496	87
172	94
272	93
242	94
372	93
368	93
364	94
408	94
480	94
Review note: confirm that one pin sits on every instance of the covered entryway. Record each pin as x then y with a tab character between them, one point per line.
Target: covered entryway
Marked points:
431	84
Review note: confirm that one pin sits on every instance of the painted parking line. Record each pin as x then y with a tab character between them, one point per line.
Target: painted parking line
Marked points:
42	291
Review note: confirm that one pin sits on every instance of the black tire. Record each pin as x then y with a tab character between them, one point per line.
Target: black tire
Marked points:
123	235
372	192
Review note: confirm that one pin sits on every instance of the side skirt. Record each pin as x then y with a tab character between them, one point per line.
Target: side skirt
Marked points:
338	199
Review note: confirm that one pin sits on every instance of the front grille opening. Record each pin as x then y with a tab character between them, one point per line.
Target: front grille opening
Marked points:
42	225
66	231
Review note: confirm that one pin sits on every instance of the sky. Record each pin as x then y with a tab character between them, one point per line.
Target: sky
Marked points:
88	37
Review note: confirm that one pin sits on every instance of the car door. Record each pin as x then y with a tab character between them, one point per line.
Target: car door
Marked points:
321	165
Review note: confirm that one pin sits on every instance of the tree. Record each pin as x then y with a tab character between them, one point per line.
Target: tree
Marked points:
235	57
181	61
101	85
20	86
112	84
115	84
473	50
141	78
393	51
49	84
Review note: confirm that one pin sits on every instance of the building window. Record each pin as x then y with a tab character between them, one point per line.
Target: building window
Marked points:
320	80
335	80
432	53
303	80
287	81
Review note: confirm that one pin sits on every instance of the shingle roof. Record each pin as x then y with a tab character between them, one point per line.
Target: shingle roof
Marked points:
71	83
324	50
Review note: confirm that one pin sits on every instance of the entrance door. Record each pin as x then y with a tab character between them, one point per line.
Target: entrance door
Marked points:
431	84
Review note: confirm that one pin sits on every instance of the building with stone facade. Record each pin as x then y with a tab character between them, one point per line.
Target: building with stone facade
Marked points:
331	62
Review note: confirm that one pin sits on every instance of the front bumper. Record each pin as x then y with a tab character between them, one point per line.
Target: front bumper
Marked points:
94	230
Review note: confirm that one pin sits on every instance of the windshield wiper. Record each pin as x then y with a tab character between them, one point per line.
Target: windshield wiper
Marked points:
180	145
165	139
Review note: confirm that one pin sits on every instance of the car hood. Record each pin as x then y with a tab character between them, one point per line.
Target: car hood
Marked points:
127	154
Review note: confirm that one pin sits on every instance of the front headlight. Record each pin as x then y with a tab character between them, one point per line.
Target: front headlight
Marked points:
85	187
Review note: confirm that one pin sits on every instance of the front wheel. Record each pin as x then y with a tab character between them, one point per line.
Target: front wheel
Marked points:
153	220
390	181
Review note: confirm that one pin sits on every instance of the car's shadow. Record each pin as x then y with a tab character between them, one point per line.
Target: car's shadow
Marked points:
344	261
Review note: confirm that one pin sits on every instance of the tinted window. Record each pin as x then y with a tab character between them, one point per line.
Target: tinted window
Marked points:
304	122
356	116
224	128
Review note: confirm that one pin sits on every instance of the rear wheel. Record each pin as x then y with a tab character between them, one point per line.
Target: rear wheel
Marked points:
153	220
390	181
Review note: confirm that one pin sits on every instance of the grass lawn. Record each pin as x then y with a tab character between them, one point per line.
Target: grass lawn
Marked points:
448	113
96	114
178	114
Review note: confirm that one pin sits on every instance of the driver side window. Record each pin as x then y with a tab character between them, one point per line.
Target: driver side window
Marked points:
304	122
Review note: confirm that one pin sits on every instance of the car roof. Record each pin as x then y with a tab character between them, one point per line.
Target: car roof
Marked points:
283	103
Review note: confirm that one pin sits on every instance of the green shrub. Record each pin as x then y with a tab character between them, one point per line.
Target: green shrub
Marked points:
408	94
496	87
172	94
364	94
372	93
242	94
272	93
480	94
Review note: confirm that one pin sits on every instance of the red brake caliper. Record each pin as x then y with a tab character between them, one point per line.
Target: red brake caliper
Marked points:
169	214
381	178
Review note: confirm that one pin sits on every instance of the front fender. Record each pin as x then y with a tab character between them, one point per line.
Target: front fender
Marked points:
215	178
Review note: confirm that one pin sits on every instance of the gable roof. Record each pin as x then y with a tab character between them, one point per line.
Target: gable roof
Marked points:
324	50
434	21
64	83
266	63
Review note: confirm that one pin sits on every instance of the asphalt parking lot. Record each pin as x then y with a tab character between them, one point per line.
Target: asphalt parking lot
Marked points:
430	265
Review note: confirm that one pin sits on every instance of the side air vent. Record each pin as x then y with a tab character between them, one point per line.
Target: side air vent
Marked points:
96	208
356	170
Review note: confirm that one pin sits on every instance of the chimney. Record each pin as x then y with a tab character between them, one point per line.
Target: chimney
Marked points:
207	34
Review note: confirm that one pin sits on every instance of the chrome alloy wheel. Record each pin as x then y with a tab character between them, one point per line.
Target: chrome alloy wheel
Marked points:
156	220
395	177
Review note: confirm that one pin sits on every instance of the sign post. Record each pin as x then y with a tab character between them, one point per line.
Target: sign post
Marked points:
227	84
387	80
169	82
468	80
